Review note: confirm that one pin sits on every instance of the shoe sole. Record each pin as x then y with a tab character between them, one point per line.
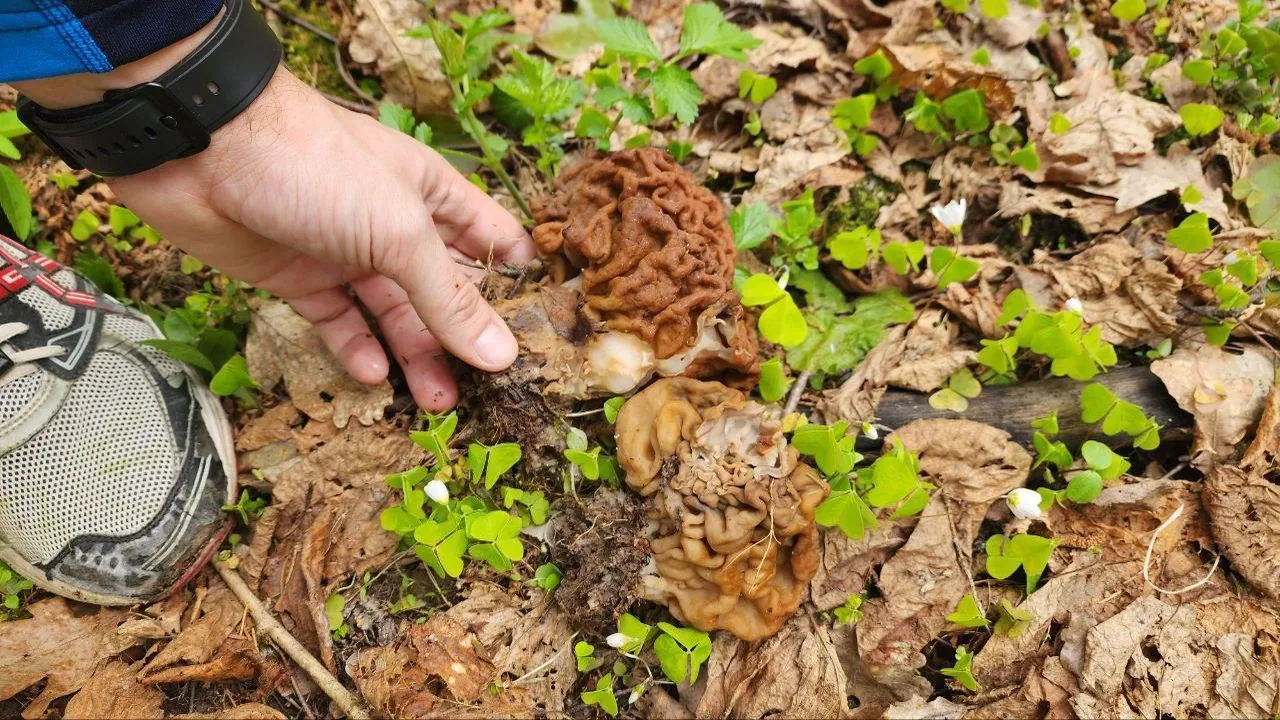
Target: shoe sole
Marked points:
220	427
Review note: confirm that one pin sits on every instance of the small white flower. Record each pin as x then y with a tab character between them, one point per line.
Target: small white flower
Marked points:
1024	503
1232	258
951	215
1075	306
635	694
870	431
617	640
438	491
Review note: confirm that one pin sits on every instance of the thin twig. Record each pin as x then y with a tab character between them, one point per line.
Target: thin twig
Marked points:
510	271
346	701
347	77
1151	546
793	400
350	104
300	22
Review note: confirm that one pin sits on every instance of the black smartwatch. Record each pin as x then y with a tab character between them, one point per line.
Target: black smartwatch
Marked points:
147	125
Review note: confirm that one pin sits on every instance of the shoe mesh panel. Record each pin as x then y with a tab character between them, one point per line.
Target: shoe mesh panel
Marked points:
15	397
103	466
55	313
136	330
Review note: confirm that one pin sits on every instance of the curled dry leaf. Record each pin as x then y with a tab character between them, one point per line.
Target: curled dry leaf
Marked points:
794	674
929	68
1130	297
409	67
1215	658
1095	214
59	645
1156	176
919	585
1225	392
929	353
848	566
114	693
968	461
1124	124
1244	506
283	345
781	46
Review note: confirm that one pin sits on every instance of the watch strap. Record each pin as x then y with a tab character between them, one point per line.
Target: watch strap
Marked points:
145	126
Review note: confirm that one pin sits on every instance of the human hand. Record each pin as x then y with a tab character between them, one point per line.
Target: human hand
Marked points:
305	199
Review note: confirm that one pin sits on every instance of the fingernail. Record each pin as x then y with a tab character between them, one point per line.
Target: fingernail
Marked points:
496	346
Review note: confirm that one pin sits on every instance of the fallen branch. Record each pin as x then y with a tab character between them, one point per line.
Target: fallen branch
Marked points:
346	701
1012	407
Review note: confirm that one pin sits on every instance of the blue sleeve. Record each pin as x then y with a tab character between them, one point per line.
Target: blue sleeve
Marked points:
44	38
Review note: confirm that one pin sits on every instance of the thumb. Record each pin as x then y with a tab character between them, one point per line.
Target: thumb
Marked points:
448	302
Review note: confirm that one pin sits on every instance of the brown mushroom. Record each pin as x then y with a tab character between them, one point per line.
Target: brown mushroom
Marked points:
730	506
656	259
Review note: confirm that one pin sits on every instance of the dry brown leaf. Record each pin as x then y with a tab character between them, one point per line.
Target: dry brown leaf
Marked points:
247	711
436	663
968	461
1156	175
59	644
1131	298
1158	659
928	67
283	345
1225	392
793	674
856	399
409	67
1095	214
781	46
201	640
114	693
929	354
919	585
916	708
1244	506
1109	129
975	306
848	566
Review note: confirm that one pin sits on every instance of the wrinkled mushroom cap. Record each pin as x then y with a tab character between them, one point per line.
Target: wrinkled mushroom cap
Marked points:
655	254
730	506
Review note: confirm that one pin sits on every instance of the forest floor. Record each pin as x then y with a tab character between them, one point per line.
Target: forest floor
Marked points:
987	246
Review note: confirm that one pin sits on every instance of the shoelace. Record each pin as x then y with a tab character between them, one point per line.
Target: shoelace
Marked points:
22	359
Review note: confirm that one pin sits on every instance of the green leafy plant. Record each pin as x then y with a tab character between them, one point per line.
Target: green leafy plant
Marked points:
681	652
547	577
664	87
465	56
584	653
831	446
334	606
248	507
773	380
850	613
603	697
12	586
491	462
949	267
1200	119
838	339
968	614
1006	555
1011	621
546	99
15	202
961	387
853	117
1099	404
756	87
962	671
781	322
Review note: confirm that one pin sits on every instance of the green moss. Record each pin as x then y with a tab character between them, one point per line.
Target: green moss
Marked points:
863	206
309	56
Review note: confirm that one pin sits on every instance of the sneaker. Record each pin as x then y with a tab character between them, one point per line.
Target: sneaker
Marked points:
115	460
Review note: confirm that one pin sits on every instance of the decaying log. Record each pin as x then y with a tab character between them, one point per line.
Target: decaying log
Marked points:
1012	408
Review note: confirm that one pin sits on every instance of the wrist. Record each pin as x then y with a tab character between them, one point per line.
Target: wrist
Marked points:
68	91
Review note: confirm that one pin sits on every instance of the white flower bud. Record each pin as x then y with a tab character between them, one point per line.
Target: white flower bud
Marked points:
438	491
1025	503
616	640
1232	258
1075	306
870	432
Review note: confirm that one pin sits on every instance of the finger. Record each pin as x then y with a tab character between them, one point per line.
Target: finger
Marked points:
418	353
446	300
344	331
465	216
